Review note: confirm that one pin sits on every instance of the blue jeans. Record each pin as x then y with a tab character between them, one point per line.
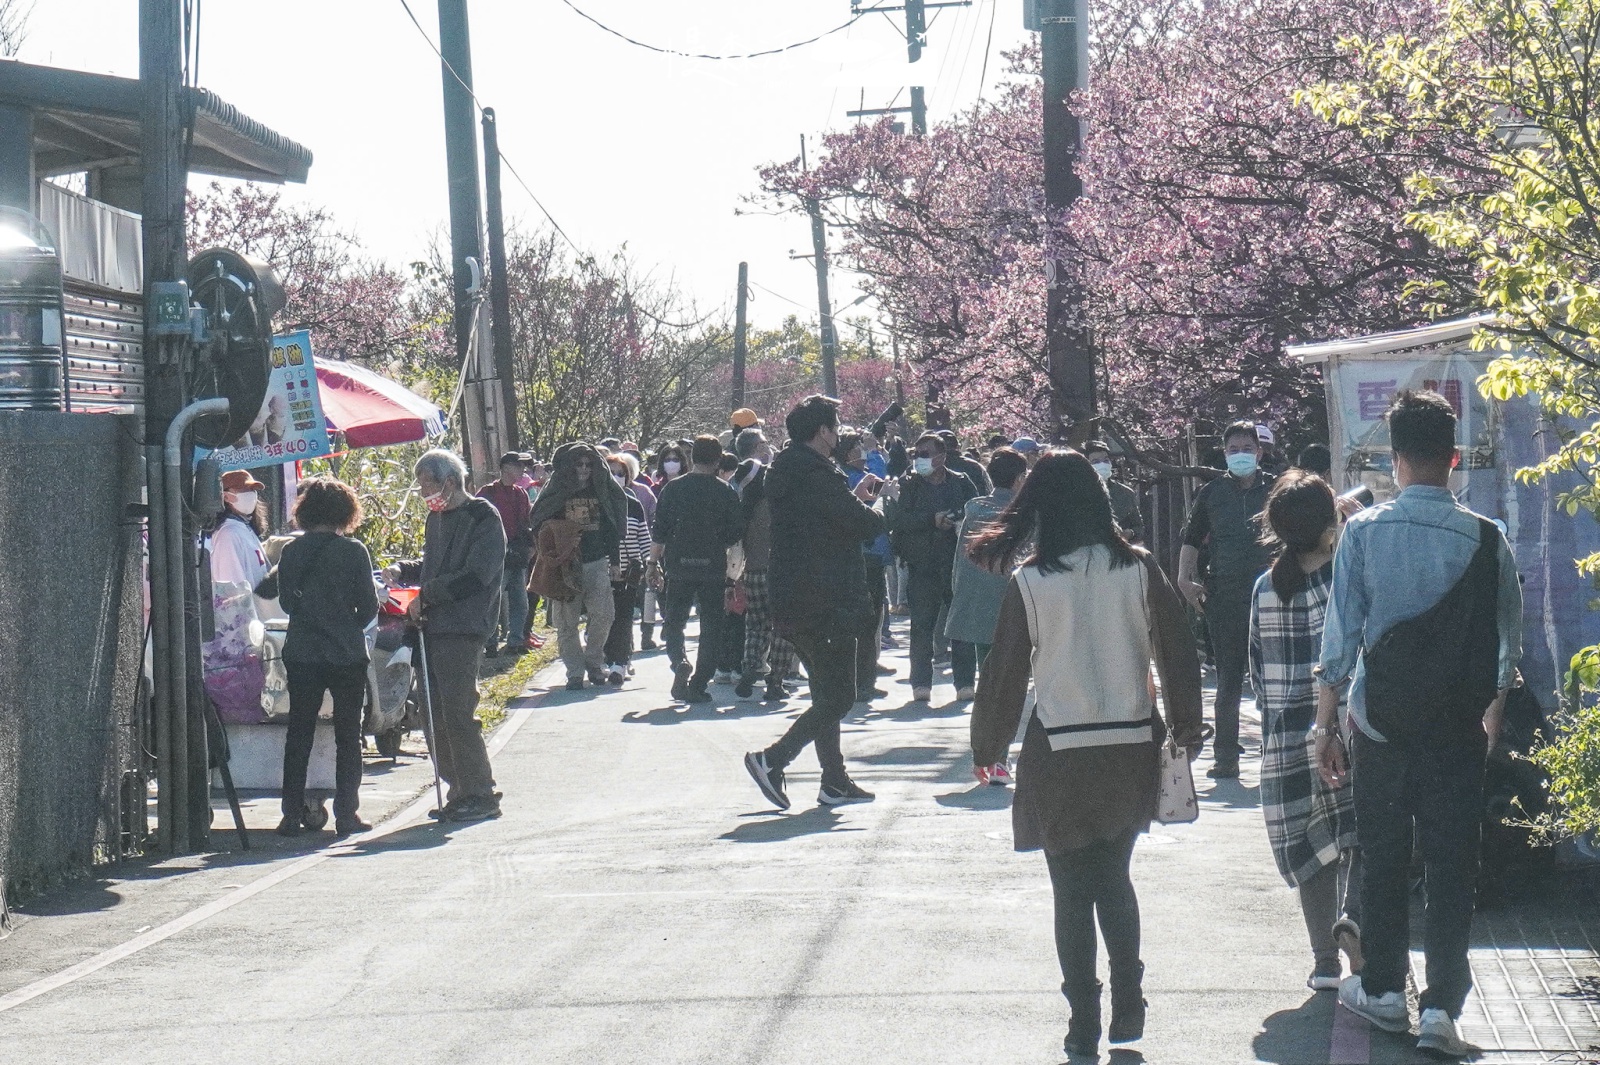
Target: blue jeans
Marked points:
514	605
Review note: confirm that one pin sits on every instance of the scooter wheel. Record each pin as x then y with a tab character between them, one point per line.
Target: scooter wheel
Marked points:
316	817
388	741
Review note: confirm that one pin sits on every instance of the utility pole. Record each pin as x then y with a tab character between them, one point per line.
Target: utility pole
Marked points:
162	207
499	286
1068	353
739	341
918	112
466	216
916	19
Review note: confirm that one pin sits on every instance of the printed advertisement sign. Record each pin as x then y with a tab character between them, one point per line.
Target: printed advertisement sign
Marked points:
289	427
1366	387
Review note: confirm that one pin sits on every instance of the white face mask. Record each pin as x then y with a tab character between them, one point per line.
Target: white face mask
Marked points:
671	467
924	467
243	503
1103	469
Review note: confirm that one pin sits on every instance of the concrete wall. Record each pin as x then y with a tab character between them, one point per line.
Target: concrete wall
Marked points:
71	628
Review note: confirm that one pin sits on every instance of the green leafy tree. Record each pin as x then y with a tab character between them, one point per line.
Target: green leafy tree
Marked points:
1509	91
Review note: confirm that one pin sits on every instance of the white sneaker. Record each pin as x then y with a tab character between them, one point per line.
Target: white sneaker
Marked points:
965	695
1438	1035
1387	1011
921	695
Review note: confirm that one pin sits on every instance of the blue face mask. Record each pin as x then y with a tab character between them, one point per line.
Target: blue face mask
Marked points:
1242	464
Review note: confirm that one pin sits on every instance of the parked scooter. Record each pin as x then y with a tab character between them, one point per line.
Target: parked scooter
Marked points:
392	706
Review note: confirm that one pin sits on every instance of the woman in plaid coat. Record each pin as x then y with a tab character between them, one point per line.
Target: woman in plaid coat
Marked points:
1311	827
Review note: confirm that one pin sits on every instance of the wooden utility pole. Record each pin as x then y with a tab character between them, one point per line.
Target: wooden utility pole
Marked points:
499	286
739	340
830	344
1068	353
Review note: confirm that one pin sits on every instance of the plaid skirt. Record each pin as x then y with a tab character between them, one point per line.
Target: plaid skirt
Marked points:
1308	823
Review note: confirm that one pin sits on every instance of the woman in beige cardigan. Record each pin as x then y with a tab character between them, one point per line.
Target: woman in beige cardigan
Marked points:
1084	617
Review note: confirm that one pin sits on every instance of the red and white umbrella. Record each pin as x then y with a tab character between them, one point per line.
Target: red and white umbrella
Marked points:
371	410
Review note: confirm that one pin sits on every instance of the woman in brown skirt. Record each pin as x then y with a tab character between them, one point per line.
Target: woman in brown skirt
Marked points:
1084	617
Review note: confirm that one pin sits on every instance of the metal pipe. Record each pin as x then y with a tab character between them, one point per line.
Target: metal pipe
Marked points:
161	712
177	632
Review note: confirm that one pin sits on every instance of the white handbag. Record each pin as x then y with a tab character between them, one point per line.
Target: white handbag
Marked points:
1177	804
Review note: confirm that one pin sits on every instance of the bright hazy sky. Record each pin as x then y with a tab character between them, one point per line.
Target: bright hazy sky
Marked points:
620	144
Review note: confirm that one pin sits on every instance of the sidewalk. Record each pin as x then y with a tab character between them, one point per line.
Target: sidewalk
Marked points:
639	902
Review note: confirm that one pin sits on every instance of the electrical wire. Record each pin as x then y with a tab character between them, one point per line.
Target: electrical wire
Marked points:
781	296
988	47
701	55
479	105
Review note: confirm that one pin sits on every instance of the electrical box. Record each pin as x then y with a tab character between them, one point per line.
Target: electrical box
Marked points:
171	302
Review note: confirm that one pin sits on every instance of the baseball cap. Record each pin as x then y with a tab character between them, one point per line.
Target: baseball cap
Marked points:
240	481
744	418
512	458
1025	444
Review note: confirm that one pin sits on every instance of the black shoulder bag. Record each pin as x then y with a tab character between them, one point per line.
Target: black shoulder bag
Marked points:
1439	671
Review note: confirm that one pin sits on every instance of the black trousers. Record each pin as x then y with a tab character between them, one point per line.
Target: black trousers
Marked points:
619	641
307	683
869	641
1092	882
1228	621
705	596
830	661
1436	786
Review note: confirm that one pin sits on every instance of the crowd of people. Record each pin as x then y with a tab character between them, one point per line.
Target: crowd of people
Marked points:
1380	643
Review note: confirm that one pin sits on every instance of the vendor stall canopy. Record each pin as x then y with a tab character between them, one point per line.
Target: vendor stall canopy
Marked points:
56	122
370	410
83	122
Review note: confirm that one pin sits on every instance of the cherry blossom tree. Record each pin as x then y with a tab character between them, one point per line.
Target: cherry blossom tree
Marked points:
354	305
1220	219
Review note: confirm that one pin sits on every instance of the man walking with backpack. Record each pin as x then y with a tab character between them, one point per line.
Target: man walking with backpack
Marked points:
1425	622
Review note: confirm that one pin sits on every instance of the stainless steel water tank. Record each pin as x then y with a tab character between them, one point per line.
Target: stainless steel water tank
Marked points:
33	355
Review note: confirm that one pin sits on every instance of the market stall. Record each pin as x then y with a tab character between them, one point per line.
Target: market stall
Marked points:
1361	376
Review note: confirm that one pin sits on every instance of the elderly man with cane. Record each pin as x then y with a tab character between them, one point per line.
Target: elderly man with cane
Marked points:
460	572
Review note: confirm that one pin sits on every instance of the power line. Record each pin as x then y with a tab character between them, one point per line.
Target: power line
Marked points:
988	45
701	55
479	105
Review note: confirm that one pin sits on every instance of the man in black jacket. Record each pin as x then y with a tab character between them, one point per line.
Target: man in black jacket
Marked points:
932	499
697	519
819	592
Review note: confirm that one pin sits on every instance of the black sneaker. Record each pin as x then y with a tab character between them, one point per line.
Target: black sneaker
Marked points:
647	644
574	684
746	686
697	695
866	695
770	781
475	809
597	677
851	792
290	826
680	684
1224	771
776	693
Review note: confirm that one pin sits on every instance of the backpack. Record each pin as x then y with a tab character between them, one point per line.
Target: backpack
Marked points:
1439	671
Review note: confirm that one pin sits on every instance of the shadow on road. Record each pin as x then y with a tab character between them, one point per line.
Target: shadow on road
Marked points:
977	797
812	822
1295	1036
915	711
678	713
1228	793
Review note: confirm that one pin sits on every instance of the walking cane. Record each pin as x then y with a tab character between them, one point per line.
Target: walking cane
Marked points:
427	706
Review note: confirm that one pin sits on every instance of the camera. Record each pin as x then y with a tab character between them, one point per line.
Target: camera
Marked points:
892	414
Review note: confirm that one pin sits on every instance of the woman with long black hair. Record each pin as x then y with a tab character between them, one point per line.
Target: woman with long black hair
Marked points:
1084	617
1311	826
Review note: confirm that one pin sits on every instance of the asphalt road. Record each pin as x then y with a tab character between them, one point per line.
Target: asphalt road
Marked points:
639	902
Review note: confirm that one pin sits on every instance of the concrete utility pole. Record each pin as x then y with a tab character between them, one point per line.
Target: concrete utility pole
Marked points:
1068	353
466	215
819	259
162	207
499	286
739	330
